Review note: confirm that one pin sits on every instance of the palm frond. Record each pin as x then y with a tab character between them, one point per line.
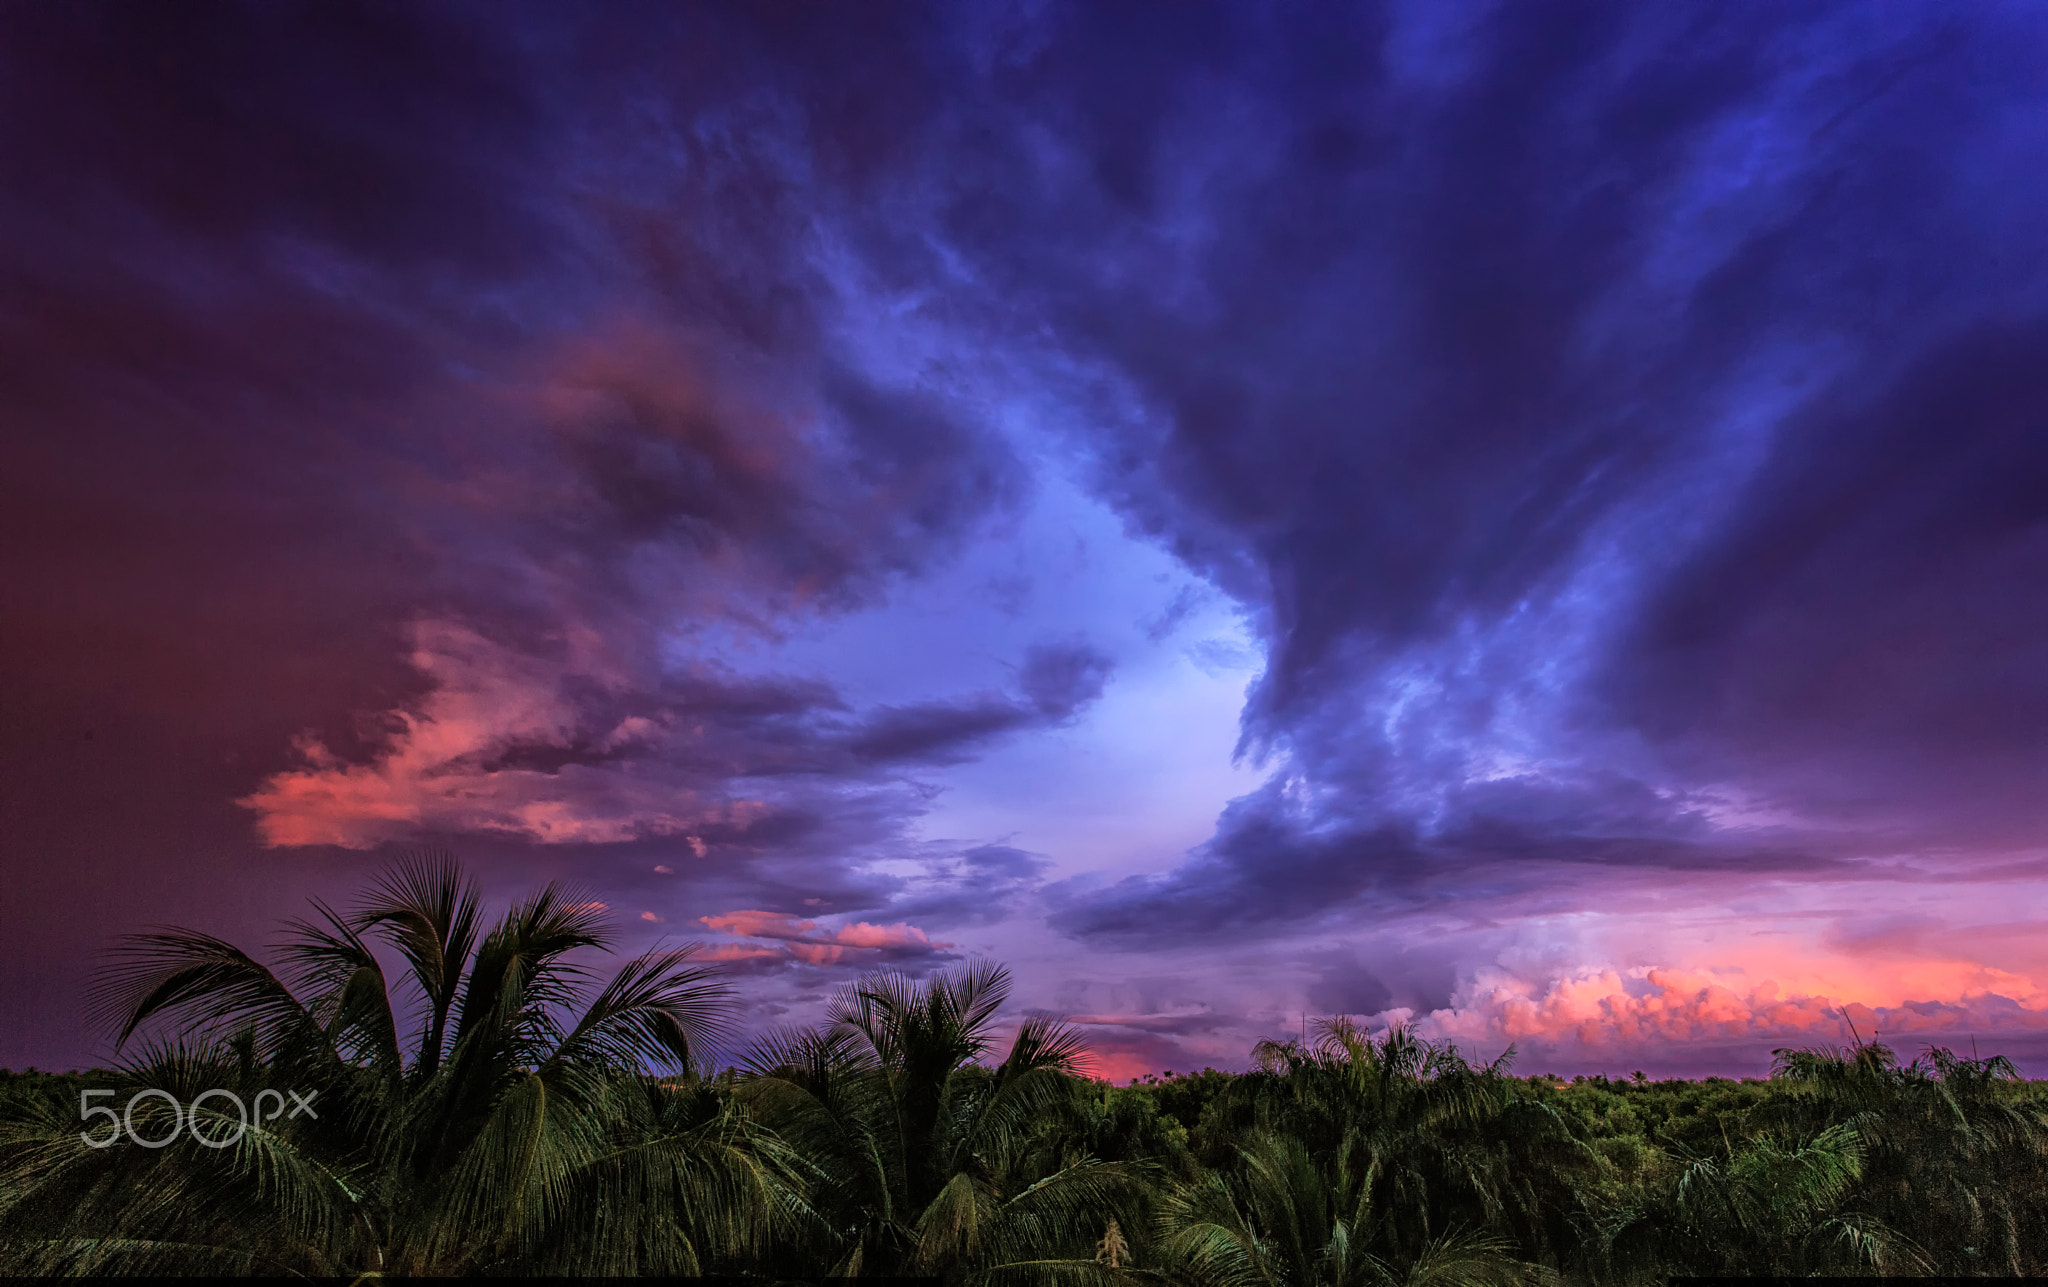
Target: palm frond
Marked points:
429	911
197	981
1045	1041
659	1011
346	981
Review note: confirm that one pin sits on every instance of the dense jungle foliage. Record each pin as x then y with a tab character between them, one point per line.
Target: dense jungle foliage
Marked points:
505	1110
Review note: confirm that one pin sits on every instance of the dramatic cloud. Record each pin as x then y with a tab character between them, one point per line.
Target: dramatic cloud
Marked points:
795	939
571	748
1670	1007
1608	493
860	463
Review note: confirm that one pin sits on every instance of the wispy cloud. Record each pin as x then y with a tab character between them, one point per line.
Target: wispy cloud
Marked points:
574	746
785	937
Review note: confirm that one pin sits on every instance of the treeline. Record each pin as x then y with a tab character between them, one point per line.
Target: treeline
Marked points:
500	1110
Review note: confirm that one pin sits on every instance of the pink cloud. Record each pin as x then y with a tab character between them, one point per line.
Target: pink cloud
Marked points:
1665	1007
805	941
736	952
755	924
438	771
899	935
1121	1065
1123	1054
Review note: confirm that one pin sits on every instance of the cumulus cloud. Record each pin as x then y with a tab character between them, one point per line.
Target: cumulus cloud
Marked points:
1661	1009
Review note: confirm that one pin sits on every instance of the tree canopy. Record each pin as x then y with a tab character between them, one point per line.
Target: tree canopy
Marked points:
501	1105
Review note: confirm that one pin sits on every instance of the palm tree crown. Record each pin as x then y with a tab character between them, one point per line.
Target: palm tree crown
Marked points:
511	1109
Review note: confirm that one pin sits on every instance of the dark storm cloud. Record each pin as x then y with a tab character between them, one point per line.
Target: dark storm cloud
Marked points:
1619	418
935	731
1419	979
1293	856
1056	681
324	327
579	745
321	323
273	258
972	886
758	727
1621	423
1870	624
1059	680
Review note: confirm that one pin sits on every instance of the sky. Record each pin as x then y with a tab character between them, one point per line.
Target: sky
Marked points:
1529	520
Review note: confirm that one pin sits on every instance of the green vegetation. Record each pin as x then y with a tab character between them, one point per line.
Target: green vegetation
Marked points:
502	1108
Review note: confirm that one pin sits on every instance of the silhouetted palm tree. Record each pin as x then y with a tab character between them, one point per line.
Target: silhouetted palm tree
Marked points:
515	1128
1285	1216
1772	1205
500	1107
1361	1159
936	1164
1950	1152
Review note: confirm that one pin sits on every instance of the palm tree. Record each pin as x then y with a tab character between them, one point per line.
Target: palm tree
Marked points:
1285	1216
1774	1204
1364	1160
937	1164
1953	1153
516	1127
497	1105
